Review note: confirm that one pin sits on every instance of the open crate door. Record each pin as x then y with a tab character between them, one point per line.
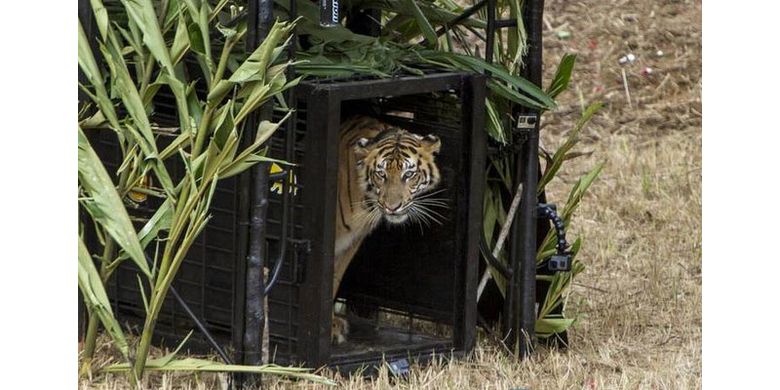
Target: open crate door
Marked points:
404	275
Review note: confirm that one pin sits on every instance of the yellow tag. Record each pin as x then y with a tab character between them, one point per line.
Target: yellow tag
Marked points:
139	197
278	185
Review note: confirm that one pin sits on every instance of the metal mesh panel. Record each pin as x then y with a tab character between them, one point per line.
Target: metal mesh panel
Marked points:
206	278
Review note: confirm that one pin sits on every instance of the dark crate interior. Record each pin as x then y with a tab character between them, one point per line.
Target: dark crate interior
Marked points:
404	291
404	277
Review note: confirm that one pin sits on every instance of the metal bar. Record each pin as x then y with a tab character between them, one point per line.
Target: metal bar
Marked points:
473	92
532	18
254	315
289	156
525	267
504	23
528	168
364	89
320	174
260	18
491	30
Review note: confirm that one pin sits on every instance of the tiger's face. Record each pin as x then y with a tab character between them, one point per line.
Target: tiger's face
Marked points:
395	169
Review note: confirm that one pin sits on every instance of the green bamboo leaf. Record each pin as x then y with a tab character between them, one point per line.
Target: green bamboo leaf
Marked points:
160	221
180	142
144	15
255	94
140	130
181	41
572	202
578	191
96	121
166	363
561	154
144	300
575	196
244	162
254	68
198	30
546	327
517	45
170	15
535	95
495	128
422	22
135	45
223	124
180	94
489	216
101	17
562	75
194	104
219	91
104	204
96	299
89	67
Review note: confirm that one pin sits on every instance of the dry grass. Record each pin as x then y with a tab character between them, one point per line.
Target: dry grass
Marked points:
639	300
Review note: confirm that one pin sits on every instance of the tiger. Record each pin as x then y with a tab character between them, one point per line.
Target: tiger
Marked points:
385	174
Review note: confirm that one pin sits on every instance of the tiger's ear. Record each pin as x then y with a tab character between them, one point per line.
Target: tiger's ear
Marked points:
361	149
432	143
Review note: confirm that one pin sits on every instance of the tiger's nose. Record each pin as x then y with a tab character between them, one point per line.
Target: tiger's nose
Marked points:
392	209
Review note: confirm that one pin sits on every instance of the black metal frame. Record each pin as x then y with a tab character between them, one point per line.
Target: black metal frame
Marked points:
324	100
526	232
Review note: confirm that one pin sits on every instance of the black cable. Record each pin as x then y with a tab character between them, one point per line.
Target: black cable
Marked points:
549	211
494	262
562	259
196	320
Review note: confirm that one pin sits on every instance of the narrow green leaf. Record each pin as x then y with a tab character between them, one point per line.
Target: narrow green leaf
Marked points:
96	299
422	22
571	140
101	17
89	66
201	365
548	326
104	204
144	15
562	75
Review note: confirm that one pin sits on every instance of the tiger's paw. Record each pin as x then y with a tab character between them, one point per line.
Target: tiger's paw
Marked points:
339	330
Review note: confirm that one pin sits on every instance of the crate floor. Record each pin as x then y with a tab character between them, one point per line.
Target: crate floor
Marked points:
366	338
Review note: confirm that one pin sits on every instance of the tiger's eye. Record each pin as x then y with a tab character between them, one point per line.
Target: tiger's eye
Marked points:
408	175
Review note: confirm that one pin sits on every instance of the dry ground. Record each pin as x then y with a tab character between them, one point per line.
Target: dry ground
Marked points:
639	300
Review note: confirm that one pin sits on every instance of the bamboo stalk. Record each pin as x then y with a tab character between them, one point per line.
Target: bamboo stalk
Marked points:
501	237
